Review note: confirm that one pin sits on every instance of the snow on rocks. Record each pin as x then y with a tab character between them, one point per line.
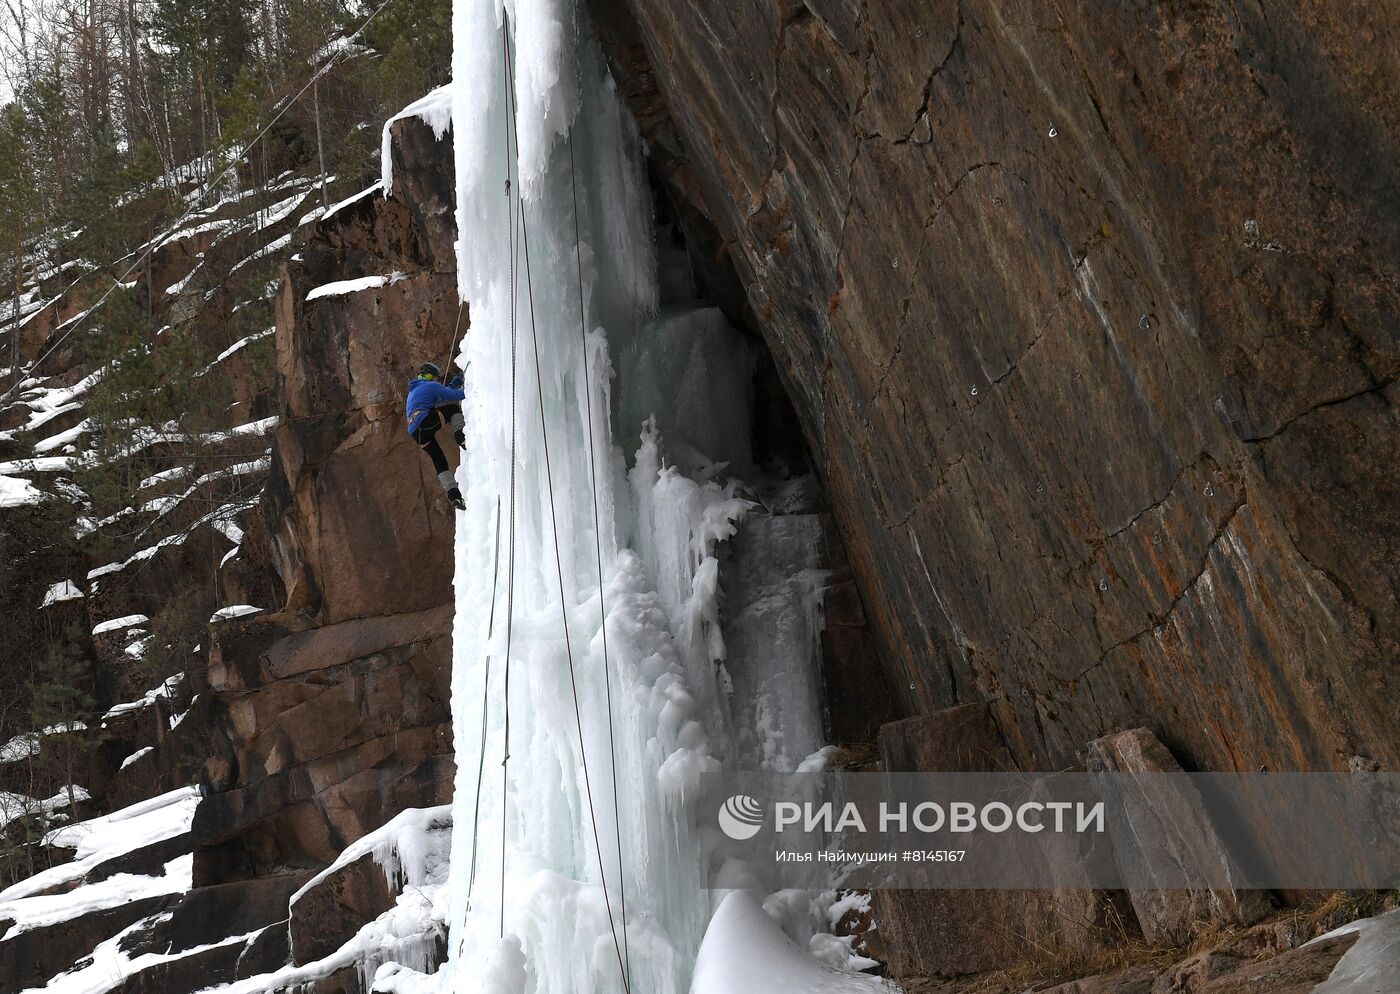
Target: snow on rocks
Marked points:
411	848
233	611
434	109
177	473
63	590
1372	964
47	403
32	902
31	743
220	518
42	464
165	690
279	211
368	191
260	427
13	806
117	624
241	343
136	757
15	492
112	961
64	437
163	505
353	286
122	831
19	747
395	950
272	247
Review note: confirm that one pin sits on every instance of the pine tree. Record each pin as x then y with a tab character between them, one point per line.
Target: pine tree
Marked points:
61	703
206	45
18	209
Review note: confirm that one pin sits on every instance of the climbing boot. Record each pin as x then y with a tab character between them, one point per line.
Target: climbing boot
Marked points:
461	438
455	496
459	425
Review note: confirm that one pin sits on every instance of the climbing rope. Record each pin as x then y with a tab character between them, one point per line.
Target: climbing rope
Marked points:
508	115
456	332
554	526
598	551
485	701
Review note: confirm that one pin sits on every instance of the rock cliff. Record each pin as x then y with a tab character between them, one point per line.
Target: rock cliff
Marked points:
1089	312
335	709
316	710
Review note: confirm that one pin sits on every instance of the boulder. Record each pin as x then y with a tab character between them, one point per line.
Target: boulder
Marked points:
1179	835
1297	971
330	912
1134	980
926	933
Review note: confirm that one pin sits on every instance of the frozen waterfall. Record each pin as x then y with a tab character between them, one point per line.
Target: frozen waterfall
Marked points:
654	493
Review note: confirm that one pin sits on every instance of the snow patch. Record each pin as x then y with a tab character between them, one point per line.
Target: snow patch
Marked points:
1372	964
15	492
411	848
233	611
31	903
117	624
63	590
165	690
368	191
64	437
341	287
135	757
14	806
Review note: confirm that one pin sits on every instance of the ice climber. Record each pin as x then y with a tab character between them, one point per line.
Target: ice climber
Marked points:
428	402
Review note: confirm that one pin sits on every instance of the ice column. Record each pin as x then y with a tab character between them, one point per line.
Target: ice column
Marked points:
528	909
527	833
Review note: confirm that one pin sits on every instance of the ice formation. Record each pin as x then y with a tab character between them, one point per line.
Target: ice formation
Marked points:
575	801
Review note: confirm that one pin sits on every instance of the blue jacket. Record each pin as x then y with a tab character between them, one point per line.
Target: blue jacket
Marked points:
424	396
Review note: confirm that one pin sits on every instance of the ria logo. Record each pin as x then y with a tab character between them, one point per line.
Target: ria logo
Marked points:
741	817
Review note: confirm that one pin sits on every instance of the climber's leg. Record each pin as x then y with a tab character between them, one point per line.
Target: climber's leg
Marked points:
429	444
424	437
458	422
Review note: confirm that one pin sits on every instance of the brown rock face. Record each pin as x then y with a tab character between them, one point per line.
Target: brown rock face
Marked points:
333	731
359	524
1089	312
332	714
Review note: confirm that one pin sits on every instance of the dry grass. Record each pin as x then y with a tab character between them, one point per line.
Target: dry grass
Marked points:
1123	948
